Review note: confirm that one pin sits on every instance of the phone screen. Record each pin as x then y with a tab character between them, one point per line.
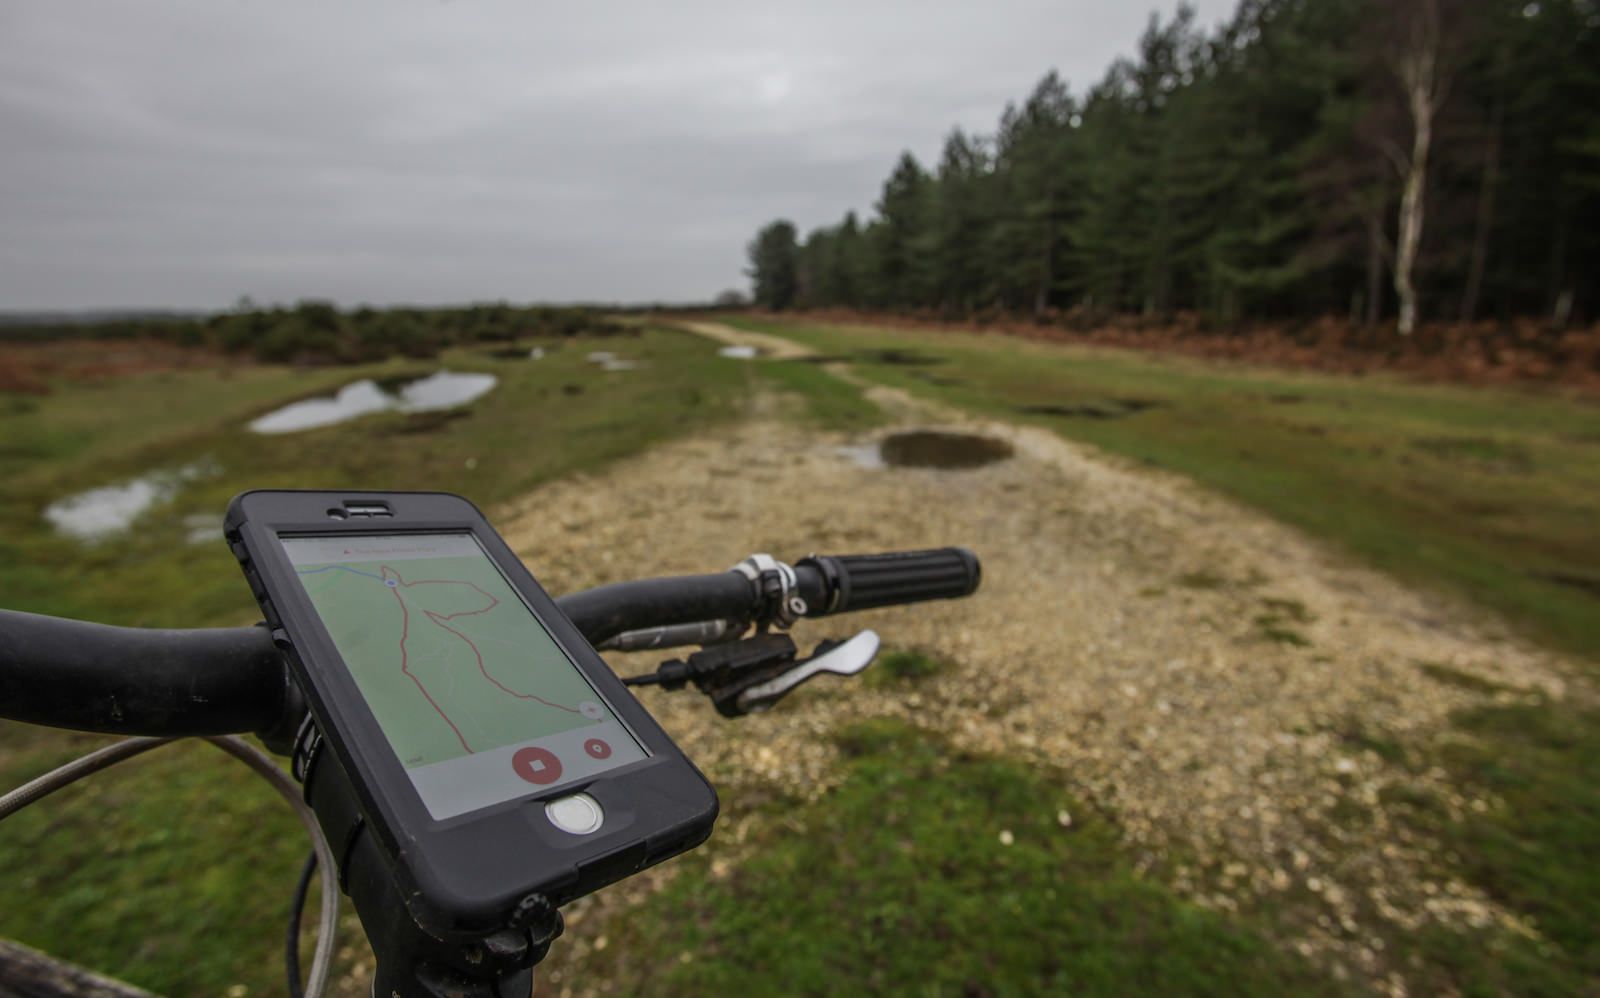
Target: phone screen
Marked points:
476	698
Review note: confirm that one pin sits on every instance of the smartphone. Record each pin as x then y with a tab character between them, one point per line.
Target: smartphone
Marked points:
478	736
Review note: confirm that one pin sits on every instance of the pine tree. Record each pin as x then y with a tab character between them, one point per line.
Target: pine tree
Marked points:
1033	197
902	237
774	266
960	225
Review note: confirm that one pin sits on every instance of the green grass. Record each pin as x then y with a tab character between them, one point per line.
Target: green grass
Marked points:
894	669
1458	679
1202	580
1489	493
1532	850
1535	851
1486	492
1276	621
545	419
830	403
899	881
174	871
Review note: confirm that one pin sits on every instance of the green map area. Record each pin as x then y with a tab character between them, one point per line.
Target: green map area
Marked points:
449	658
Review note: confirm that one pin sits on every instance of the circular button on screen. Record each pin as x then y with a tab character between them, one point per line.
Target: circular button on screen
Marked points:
537	765
597	748
579	814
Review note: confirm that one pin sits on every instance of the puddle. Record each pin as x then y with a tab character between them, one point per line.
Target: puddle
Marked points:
440	390
901	358
609	361
892	357
1587	584
355	399
942	380
1098	409
936	449
444	390
515	353
896	358
739	351
99	513
202	528
929	449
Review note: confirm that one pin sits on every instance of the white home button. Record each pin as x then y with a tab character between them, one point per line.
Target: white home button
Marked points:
579	814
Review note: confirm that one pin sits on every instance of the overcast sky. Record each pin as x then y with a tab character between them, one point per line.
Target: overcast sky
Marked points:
187	153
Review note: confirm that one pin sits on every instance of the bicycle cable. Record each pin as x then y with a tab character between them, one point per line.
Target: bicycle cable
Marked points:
297	907
109	755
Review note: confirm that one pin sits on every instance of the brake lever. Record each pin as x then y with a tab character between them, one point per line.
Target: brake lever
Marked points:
750	675
841	658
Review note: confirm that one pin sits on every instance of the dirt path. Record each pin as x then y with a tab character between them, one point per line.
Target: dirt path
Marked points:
1133	630
772	346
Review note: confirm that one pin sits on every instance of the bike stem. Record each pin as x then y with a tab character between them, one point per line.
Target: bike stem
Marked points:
411	961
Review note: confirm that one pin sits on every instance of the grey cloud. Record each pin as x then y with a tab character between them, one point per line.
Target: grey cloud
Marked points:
184	153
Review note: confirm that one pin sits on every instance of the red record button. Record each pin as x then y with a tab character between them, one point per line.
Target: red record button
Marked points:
537	765
597	749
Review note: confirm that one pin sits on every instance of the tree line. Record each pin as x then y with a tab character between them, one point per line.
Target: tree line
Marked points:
1381	159
319	332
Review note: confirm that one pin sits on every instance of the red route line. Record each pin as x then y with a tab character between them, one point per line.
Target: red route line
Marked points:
439	619
405	632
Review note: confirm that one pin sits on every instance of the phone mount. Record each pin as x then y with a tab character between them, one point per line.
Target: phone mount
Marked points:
411	961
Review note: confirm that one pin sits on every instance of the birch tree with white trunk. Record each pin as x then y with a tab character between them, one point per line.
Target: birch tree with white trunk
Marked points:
1419	67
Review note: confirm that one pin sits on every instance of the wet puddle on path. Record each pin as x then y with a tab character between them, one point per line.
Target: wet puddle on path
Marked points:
96	514
930	449
440	390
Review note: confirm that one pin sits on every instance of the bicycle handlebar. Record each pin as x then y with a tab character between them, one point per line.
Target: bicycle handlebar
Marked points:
864	581
136	681
606	611
139	681
827	584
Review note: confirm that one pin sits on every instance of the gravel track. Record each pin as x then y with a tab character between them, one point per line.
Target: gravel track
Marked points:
1121	636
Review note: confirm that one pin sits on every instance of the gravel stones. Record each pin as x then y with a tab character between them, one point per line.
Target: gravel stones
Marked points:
1116	638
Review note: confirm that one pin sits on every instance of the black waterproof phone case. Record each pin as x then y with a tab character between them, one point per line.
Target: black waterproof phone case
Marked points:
466	736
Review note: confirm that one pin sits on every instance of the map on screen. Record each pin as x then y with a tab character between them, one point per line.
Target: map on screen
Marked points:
454	665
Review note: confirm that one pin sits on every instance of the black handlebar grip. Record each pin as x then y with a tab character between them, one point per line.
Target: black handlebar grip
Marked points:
134	681
863	581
